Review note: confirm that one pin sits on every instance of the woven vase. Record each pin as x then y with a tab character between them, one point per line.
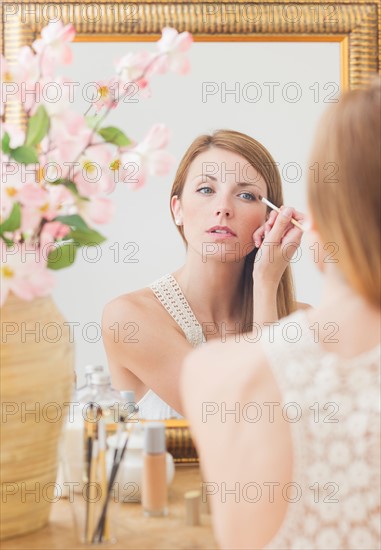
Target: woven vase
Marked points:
37	373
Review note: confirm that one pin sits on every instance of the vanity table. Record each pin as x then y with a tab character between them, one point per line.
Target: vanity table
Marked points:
135	531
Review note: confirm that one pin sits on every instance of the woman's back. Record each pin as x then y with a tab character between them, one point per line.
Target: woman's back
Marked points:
290	450
333	406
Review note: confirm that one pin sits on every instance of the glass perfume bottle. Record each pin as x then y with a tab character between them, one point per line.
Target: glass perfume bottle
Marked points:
89	370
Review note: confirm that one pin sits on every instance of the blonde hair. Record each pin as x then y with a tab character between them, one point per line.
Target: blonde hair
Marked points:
258	156
346	206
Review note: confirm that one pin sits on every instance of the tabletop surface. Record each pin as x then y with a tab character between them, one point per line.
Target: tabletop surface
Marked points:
134	529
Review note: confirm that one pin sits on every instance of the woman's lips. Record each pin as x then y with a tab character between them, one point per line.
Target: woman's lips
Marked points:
223	230
221	235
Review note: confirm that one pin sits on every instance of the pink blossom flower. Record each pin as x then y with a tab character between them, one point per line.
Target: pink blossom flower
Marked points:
8	83
174	46
121	173
157	138
148	157
53	43
9	196
97	210
53	94
16	134
11	172
94	175
70	135
24	272
43	203
30	220
20	77
60	199
52	232
26	74
135	67
33	195
108	94
27	69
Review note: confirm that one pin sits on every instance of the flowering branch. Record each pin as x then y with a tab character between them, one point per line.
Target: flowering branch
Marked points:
53	213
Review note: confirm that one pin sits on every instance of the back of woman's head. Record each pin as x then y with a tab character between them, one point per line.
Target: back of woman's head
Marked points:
344	186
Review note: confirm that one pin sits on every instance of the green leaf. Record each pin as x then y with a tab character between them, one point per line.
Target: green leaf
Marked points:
115	136
25	154
74	221
86	238
5	143
67	183
71	186
62	256
13	222
38	126
8	242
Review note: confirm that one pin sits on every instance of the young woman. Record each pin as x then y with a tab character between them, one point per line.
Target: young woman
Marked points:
224	285
288	428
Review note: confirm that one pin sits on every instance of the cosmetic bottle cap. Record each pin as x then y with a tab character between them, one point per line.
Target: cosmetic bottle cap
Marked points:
100	378
128	396
90	369
154	438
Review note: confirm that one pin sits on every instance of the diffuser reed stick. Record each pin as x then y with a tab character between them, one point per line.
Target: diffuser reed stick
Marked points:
99	532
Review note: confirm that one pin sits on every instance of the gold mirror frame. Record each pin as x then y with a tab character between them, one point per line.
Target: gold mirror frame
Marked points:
355	25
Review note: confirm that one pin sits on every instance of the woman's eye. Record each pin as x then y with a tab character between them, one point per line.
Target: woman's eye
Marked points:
248	196
205	190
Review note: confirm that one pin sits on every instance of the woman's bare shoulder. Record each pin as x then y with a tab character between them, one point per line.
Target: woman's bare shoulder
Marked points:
139	302
141	306
302	305
141	336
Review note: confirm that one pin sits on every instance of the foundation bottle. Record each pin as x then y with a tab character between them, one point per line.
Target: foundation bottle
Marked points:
154	482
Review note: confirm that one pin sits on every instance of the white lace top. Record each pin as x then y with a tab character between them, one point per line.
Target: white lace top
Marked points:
169	293
336	440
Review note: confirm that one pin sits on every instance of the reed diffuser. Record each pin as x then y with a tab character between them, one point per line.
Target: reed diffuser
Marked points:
95	508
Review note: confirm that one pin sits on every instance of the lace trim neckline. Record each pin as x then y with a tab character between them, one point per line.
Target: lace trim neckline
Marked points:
169	293
189	310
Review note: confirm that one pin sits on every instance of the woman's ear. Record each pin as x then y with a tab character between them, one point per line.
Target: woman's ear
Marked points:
176	209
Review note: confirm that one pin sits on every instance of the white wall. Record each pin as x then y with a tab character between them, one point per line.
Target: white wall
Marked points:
285	127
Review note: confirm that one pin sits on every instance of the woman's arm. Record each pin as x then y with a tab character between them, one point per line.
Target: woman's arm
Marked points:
145	349
264	302
234	407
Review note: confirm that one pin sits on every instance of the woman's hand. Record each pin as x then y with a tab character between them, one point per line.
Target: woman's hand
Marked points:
277	240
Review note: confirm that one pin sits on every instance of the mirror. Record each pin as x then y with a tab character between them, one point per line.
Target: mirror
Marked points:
252	87
265	69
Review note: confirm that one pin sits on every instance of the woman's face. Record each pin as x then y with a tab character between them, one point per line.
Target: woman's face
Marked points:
219	203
